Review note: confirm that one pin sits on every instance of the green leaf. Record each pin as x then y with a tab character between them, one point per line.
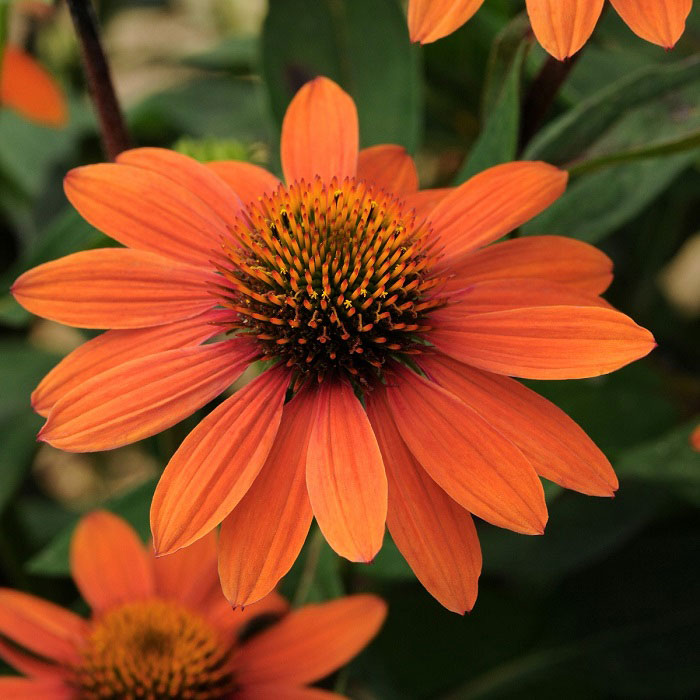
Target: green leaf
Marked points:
235	55
133	506
361	44
498	141
592	120
17	447
668	461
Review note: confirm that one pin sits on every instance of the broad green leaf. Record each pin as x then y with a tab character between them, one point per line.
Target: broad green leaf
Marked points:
498	141
361	44
668	461
133	506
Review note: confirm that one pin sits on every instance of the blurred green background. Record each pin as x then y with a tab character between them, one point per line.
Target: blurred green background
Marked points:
605	605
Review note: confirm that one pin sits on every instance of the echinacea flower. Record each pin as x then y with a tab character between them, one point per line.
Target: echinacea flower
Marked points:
27	88
160	628
389	326
561	26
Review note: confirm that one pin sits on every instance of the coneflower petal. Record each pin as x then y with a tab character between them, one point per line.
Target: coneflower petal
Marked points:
345	474
429	20
660	21
320	134
436	535
311	642
555	445
477	466
544	342
36	689
263	535
563	26
109	563
144	396
390	167
217	462
247	180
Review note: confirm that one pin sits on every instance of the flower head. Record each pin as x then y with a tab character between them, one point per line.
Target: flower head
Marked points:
561	26
160	628
390	330
27	88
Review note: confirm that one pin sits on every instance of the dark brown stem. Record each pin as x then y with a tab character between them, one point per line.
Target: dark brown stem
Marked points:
541	95
115	137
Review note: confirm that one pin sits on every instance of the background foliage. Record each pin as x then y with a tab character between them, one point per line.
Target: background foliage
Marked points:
604	605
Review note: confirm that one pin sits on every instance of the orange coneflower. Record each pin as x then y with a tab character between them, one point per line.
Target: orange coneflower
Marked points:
27	88
389	326
561	26
160	628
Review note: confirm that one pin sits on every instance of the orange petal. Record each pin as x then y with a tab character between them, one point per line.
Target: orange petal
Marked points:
174	573
563	26
248	181
389	167
556	447
217	463
36	689
660	21
310	642
436	536
553	258
345	474
695	439
114	288
265	532
190	174
494	202
424	201
284	692
109	563
495	295
26	663
545	342
114	348
146	210
232	622
320	133
142	397
478	467
429	20
28	88
41	627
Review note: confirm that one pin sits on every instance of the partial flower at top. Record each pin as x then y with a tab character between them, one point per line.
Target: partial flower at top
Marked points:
160	628
561	26
388	327
27	88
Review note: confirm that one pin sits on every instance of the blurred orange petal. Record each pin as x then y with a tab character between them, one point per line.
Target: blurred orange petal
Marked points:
435	535
556	446
216	463
345	474
232	622
41	627
113	348
285	692
114	288
26	662
109	563
390	167
553	258
563	26
429	20
476	465
310	642
26	87
146	210
424	201
320	134
695	439
140	398
263	535
35	689
660	21
493	203
248	181
544	342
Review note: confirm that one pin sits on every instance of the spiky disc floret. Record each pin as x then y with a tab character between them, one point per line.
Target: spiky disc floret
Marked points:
331	278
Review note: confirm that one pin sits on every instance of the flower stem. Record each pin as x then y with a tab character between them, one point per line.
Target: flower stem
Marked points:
306	580
115	137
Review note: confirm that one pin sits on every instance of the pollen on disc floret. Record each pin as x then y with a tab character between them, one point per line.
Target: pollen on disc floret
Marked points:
332	278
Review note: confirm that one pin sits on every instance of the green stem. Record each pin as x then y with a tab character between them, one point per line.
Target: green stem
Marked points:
308	574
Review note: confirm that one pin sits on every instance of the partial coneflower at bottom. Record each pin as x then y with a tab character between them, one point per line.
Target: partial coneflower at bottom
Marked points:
161	628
